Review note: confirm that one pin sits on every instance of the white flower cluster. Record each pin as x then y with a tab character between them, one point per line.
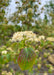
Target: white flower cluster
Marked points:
19	36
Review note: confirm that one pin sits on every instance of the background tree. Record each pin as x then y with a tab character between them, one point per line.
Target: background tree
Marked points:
27	12
49	11
3	5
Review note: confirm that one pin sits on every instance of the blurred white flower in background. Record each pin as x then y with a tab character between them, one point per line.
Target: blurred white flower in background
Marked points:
9	73
50	38
45	74
6	73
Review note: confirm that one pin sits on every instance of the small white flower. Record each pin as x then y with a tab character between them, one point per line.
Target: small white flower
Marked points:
36	51
39	66
36	39
4	52
41	37
31	39
9	48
